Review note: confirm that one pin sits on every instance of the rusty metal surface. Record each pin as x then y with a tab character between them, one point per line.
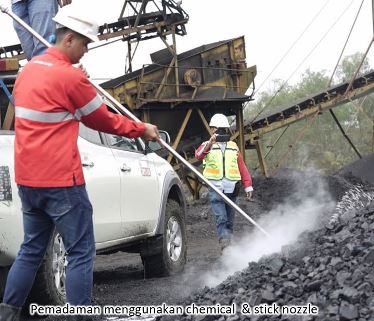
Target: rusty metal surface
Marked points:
9	64
220	74
147	19
139	25
150	20
284	116
213	78
13	51
160	59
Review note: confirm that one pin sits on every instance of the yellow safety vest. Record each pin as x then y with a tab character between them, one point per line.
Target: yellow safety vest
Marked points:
218	165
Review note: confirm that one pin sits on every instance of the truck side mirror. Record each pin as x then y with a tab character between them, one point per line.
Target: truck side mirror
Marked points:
155	146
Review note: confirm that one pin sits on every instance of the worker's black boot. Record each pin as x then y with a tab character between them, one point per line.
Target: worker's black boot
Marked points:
9	312
224	243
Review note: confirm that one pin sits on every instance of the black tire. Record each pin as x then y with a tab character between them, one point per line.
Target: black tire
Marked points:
3	276
45	290
172	257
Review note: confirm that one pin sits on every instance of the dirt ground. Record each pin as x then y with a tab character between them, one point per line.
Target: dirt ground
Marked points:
119	279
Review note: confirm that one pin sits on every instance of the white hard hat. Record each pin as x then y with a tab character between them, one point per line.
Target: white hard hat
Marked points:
70	19
219	121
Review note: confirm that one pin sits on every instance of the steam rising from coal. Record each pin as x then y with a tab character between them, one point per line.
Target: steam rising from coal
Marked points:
285	222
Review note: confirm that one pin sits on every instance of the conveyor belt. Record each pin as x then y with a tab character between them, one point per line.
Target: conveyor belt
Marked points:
303	108
12	51
148	23
149	26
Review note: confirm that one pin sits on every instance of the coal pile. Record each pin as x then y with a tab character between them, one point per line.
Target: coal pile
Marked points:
362	170
328	266
331	268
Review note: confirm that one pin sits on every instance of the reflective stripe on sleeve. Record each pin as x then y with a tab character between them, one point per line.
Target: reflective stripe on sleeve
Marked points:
44	117
44	63
89	108
201	150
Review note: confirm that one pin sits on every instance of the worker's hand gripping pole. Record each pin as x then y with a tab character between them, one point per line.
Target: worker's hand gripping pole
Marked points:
122	109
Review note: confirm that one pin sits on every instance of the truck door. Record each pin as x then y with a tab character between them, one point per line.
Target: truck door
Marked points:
140	199
103	184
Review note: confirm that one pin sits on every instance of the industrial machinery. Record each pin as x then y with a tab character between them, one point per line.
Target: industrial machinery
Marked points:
179	92
209	79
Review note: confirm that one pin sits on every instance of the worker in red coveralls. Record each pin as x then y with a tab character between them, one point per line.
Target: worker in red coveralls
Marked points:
224	167
51	98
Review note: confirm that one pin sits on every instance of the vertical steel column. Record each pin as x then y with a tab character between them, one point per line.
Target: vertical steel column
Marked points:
129	53
141	11
240	128
8	123
122	10
176	63
261	159
180	132
206	125
147	115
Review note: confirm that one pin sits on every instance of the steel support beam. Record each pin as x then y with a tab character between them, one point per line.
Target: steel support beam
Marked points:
302	114
180	132
240	129
261	159
203	119
9	117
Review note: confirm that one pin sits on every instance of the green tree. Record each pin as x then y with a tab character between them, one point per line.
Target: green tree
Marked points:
349	65
322	144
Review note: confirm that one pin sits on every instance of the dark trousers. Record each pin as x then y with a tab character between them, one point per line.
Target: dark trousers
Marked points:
69	210
223	213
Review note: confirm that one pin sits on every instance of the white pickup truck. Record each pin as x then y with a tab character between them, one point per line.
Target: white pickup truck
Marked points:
138	203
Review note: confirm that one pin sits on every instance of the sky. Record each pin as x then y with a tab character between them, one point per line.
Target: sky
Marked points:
302	33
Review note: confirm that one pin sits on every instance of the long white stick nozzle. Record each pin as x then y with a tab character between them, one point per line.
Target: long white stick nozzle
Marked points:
3	9
121	108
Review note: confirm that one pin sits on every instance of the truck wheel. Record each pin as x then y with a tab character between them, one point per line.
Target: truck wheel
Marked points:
49	285
172	258
3	276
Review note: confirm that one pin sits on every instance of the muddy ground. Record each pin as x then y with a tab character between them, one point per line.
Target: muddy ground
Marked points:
119	279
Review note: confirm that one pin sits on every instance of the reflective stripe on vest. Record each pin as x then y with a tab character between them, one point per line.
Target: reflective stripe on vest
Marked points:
213	163
57	117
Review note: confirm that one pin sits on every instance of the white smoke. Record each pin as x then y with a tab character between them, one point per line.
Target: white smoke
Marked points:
284	224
